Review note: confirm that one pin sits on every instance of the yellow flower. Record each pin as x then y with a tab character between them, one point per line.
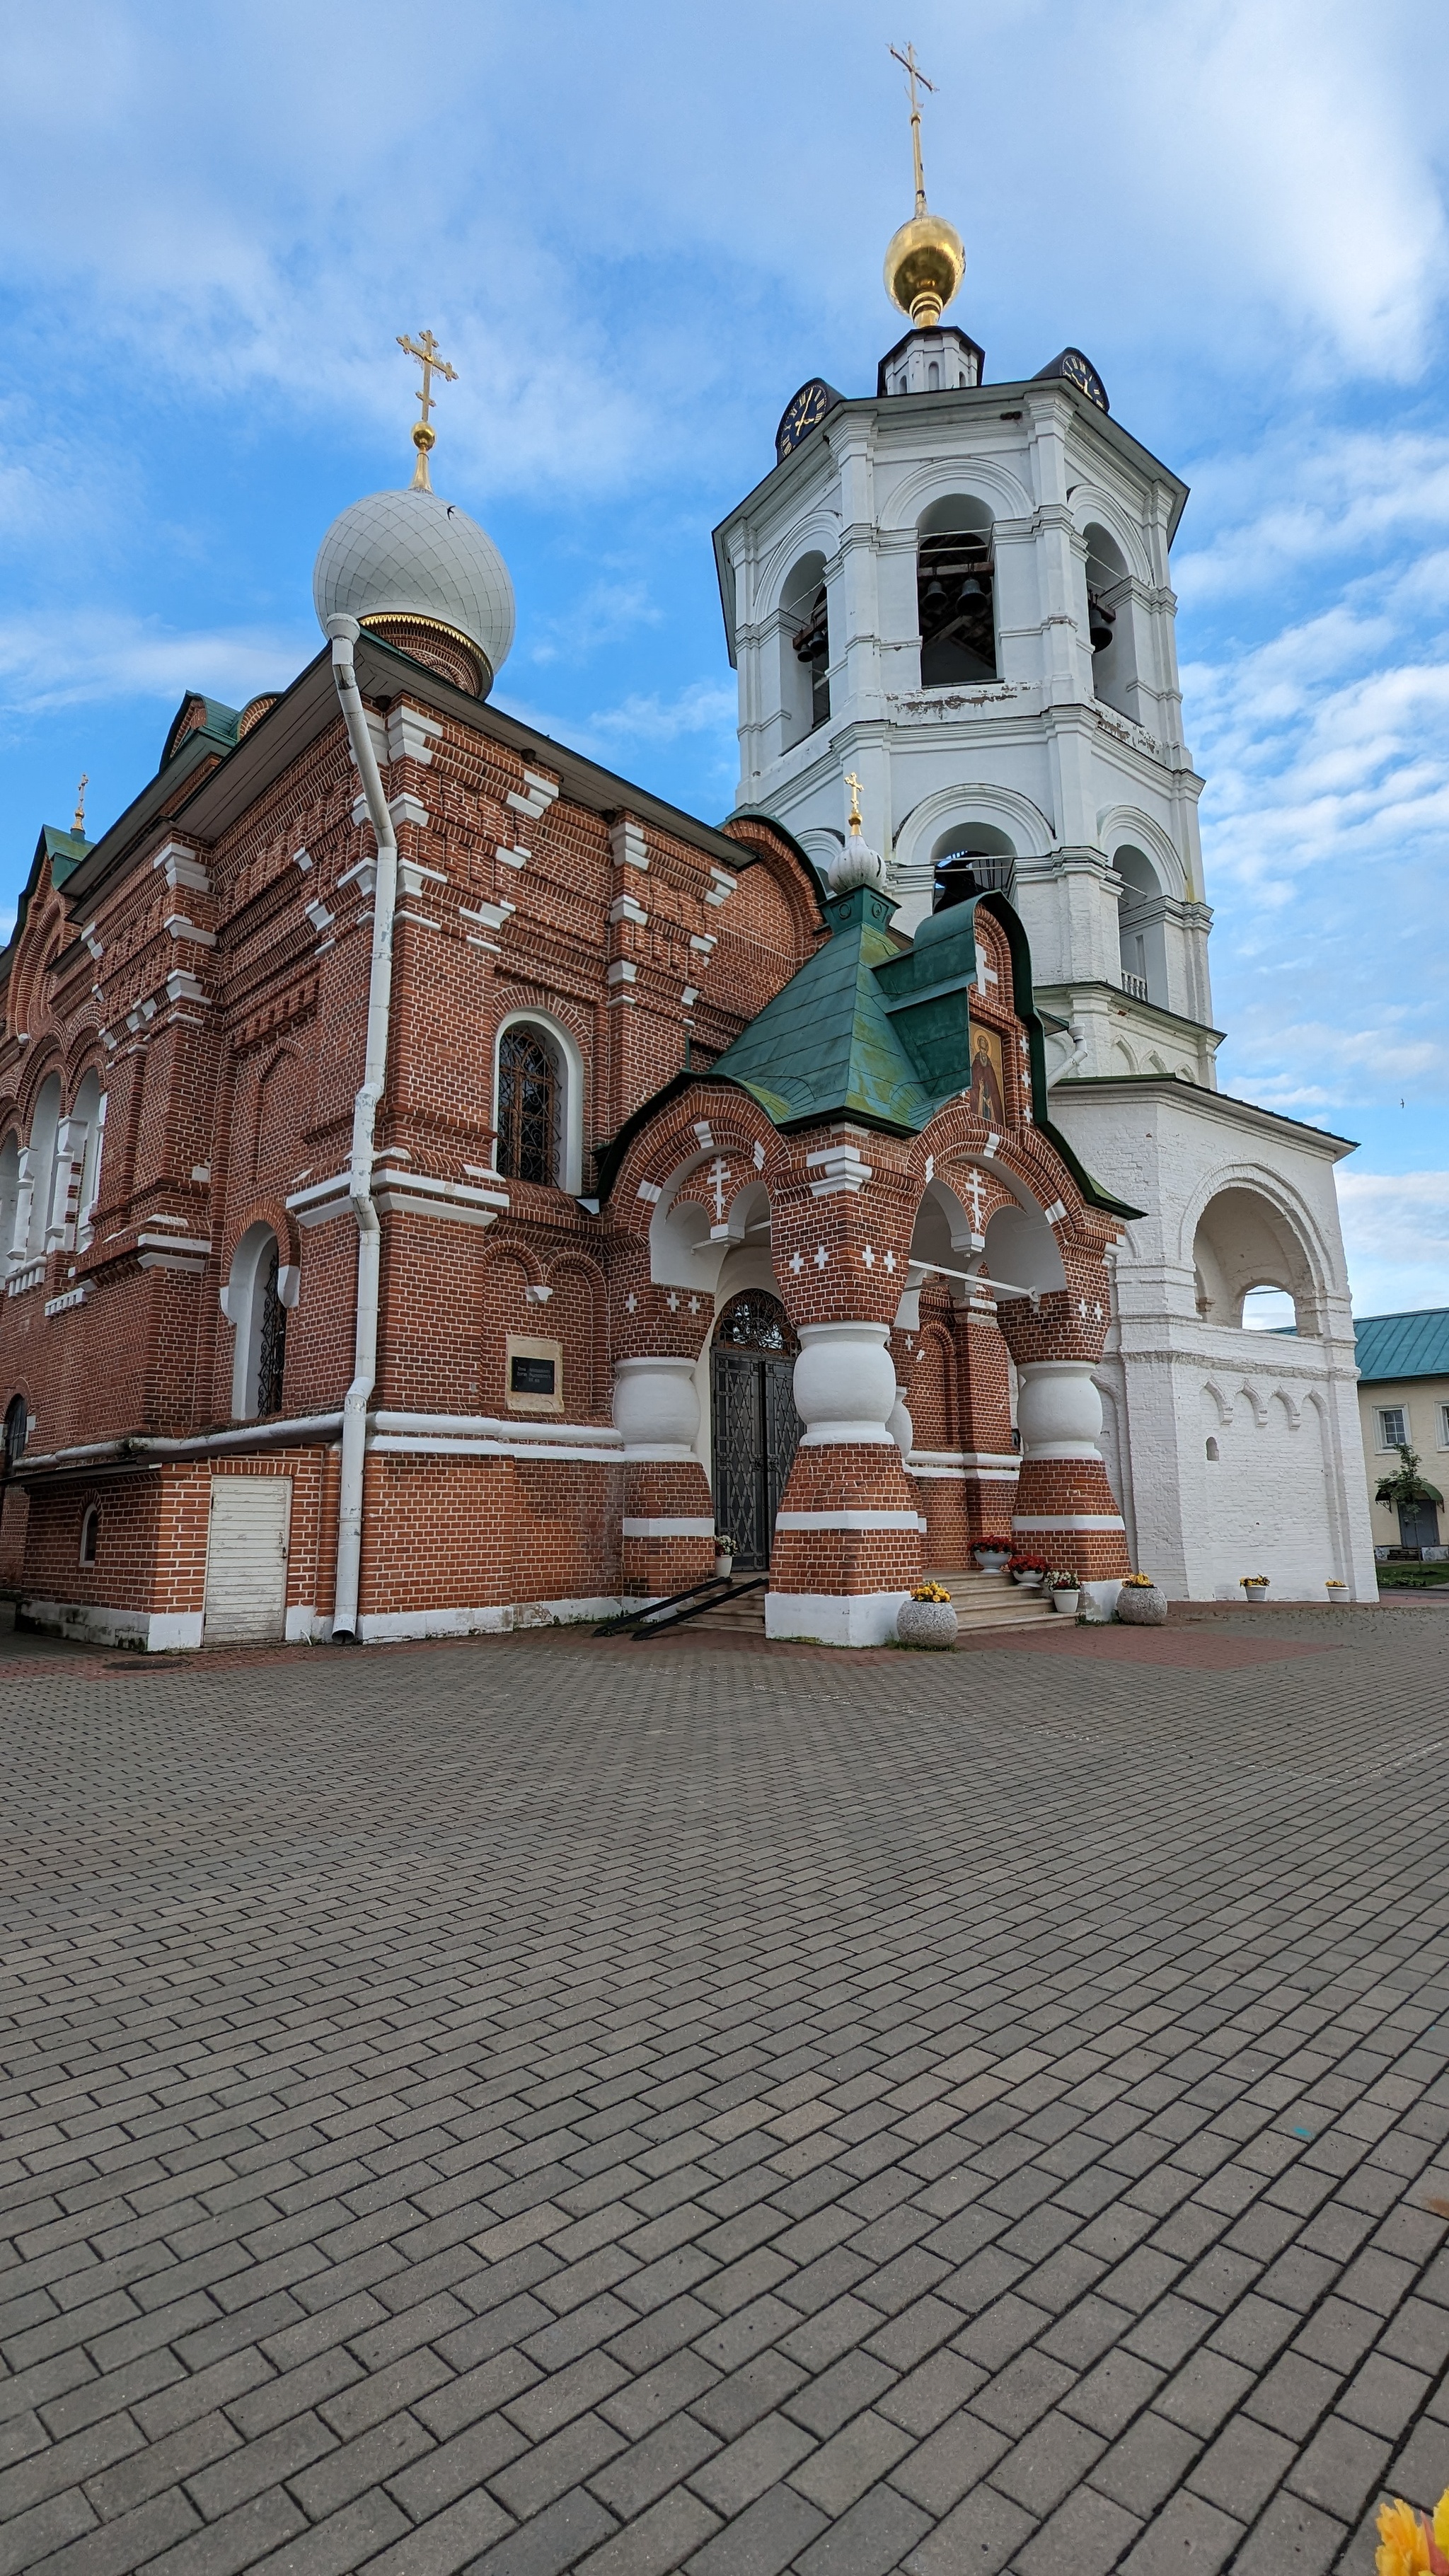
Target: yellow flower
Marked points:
1406	2545
1403	2542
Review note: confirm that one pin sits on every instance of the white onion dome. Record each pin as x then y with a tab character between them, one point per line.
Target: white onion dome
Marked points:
857	865
423	573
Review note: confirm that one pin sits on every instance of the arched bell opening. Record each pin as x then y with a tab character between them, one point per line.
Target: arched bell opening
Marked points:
805	649
990	852
756	1429
956	593
1250	1269
1109	623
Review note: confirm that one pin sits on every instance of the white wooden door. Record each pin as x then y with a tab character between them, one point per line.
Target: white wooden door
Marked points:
246	1560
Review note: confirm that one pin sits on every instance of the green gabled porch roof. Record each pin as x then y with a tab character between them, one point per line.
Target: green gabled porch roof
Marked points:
877	1030
824	1045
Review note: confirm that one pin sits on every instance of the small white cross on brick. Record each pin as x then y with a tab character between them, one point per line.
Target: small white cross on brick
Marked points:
797	1263
868	1257
821	1256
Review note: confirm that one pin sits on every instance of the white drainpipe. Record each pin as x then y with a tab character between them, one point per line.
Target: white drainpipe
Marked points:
344	632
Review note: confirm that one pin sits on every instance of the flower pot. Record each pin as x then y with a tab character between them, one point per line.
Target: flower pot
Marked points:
991	1559
1029	1582
1337	1595
926	1623
1066	1602
1141	1605
724	1564
1255	1594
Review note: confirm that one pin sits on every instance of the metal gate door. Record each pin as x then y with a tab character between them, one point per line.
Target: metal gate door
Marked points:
756	1426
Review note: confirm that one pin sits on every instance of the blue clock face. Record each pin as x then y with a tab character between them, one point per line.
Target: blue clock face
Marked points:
804	412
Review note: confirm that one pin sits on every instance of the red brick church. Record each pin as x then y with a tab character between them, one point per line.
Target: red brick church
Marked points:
443	1185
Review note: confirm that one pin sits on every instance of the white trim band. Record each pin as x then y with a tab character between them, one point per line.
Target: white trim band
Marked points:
668	1529
847	1520
1068	1521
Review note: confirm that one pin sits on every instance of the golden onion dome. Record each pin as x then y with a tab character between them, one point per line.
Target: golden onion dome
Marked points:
924	267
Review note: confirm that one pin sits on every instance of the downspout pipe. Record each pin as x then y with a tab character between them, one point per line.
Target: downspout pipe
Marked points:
343	633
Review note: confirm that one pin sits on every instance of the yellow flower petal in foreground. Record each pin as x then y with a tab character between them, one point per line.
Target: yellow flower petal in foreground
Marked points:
1441	2522
1403	2541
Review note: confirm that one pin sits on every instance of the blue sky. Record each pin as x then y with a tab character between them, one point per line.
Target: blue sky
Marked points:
635	231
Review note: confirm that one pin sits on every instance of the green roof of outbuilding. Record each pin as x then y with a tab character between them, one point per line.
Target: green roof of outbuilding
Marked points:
1412	1345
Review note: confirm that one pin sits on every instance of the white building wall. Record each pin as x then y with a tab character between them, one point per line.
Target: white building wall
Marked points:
1284	1496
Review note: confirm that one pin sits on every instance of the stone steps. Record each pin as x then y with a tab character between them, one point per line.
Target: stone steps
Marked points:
979	1600
991	1600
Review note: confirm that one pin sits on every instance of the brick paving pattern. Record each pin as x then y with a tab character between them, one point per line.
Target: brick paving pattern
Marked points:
537	2105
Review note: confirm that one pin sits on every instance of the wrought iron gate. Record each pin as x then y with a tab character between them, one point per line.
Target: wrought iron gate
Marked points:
756	1426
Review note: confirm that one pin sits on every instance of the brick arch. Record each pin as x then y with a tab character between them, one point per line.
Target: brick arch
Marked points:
508	1265
38	946
670	1140
577	1315
85	1054
264	1208
36	1072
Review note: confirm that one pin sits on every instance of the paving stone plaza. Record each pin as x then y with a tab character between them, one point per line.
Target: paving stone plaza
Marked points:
535	2104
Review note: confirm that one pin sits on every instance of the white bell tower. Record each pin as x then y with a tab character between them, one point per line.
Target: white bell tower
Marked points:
960	591
959	594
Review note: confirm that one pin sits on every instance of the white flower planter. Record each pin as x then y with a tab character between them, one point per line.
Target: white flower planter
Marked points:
1255	1594
1337	1596
927	1623
1029	1582
724	1564
991	1560
1066	1602
1141	1605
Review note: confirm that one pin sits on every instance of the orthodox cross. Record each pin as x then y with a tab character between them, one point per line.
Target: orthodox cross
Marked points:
853	783
79	825
974	1187
914	73
425	350
719	1172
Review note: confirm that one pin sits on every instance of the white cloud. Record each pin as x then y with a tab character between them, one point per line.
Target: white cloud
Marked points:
603	613
57	659
1396	1234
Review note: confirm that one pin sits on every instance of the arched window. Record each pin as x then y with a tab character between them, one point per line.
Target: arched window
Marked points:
1109	623
78	1165
37	1171
530	1104
955	593
89	1533
256	1300
9	1197
17	1432
1141	912
756	1321
805	645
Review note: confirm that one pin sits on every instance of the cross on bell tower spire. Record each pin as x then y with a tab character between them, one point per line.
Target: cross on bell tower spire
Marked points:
425	350
914	74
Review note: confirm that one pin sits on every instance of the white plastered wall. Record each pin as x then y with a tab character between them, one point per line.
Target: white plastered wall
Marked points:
1287	1485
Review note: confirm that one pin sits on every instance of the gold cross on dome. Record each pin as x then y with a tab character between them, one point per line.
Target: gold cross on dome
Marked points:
79	825
914	74
853	783
425	350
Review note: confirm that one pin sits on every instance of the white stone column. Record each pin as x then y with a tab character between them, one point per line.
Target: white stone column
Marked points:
668	1518
845	1384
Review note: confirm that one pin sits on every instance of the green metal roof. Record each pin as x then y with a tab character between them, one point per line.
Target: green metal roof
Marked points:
873	1030
824	1045
65	851
1413	1345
